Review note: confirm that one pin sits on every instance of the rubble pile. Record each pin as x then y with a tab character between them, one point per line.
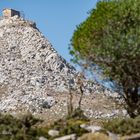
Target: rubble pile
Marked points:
29	66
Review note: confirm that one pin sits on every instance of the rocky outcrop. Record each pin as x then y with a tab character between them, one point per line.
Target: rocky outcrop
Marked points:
30	66
28	61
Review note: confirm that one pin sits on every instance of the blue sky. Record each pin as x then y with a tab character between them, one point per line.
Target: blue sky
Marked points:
56	19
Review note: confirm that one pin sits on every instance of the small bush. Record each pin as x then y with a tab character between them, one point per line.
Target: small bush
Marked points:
77	114
125	126
69	126
27	128
18	129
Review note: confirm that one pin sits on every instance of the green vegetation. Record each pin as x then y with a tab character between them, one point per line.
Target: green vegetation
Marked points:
123	126
110	38
69	126
25	128
77	114
18	129
29	128
95	136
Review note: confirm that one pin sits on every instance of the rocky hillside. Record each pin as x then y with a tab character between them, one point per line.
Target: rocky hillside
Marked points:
31	71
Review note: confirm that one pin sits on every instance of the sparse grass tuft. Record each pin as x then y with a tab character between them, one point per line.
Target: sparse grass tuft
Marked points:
77	114
123	126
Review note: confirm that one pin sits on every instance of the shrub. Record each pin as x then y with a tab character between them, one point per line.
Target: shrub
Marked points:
18	129
69	126
125	126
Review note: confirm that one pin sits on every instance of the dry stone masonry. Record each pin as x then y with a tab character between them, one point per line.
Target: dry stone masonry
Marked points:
30	66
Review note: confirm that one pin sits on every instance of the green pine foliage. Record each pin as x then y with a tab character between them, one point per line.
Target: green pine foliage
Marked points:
110	38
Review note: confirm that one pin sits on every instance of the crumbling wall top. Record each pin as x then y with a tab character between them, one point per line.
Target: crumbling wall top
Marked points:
7	12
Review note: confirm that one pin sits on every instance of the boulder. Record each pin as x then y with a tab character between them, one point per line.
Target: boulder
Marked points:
53	133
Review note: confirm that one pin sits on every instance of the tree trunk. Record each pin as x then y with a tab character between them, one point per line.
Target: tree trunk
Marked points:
132	99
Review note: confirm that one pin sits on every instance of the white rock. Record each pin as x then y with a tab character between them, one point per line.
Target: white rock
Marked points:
53	133
113	136
124	112
91	128
42	138
67	137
